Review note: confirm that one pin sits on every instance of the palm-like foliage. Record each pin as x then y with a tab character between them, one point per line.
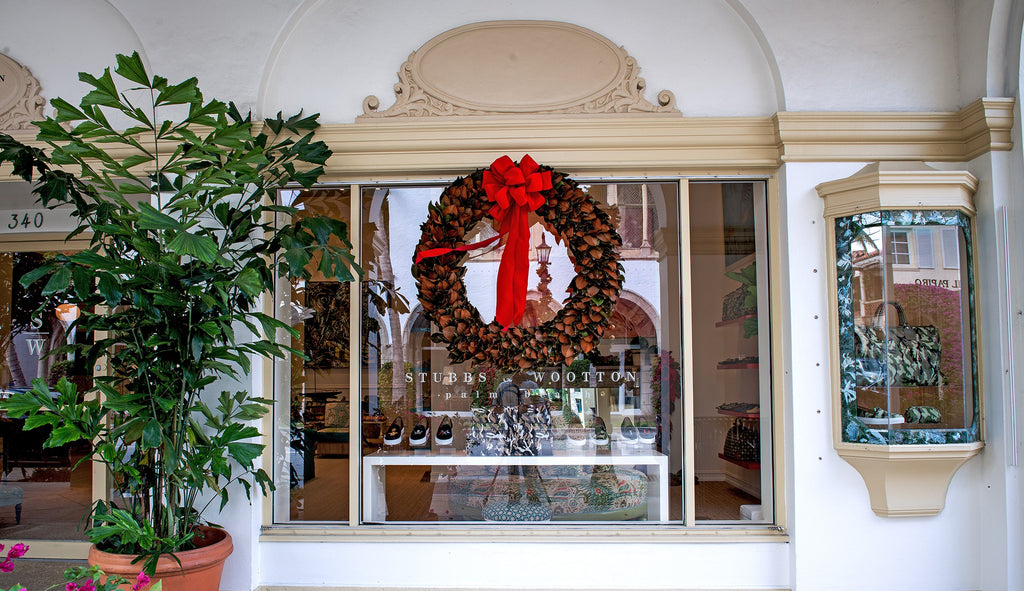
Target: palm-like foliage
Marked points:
183	246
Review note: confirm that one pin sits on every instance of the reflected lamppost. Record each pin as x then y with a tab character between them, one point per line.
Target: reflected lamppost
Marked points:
543	257
67	314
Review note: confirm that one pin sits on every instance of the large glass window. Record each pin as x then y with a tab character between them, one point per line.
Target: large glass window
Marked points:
731	363
314	410
44	491
598	440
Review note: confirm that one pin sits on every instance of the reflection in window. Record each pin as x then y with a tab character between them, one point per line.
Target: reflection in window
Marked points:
899	247
318	405
731	368
908	368
465	442
597	441
55	490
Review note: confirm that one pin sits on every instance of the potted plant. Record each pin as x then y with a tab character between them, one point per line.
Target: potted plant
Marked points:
178	205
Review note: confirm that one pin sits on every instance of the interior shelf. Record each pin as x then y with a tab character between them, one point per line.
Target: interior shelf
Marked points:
743	463
743	415
750	365
737	320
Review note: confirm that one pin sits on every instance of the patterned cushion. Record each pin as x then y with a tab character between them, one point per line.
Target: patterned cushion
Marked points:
336	414
572	492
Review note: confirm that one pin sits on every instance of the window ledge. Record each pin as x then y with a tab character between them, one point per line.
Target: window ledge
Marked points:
908	480
663	534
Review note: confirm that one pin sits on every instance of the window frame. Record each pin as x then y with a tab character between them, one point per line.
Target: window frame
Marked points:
772	493
49	548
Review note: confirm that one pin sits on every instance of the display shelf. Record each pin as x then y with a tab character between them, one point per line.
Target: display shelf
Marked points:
375	464
737	320
742	463
751	365
742	415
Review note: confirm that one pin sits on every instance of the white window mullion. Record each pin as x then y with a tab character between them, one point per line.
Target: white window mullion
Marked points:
686	295
355	373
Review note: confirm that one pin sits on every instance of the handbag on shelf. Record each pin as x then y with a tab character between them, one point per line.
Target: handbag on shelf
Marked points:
923	414
912	353
742	443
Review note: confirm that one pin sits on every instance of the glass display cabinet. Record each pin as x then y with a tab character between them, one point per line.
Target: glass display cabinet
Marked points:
906	399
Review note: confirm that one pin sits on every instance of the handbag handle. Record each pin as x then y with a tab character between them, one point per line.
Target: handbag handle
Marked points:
900	314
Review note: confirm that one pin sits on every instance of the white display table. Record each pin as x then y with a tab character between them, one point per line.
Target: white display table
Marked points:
374	491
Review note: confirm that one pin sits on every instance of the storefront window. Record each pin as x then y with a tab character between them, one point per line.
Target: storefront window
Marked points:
598	440
731	362
314	415
49	482
907	342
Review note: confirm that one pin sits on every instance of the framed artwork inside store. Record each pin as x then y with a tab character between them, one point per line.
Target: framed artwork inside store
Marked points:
638	325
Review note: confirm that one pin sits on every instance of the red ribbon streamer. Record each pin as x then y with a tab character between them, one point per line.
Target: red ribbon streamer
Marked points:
515	192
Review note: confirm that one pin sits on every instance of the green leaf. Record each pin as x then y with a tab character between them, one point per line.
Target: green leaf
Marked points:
249	282
51	131
150	218
104	93
65	111
93	259
133	188
136	160
152	434
40	419
194	245
130	66
34	275
59	281
185	92
63	435
245	453
110	288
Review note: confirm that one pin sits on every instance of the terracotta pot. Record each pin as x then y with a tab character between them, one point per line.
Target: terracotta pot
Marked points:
200	569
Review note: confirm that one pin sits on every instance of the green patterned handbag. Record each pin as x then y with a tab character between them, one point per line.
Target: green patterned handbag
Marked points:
912	352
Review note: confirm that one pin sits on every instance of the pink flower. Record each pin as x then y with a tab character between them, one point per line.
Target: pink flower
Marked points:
71	587
87	586
143	580
6	566
16	551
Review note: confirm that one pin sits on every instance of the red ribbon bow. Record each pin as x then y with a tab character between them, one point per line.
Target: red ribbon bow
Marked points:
515	192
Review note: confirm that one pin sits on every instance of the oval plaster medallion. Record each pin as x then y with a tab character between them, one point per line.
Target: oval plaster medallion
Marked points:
518	67
20	102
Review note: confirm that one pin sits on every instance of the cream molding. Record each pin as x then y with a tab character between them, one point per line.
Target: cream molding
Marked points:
656	144
20	101
898	185
982	126
908	480
502	67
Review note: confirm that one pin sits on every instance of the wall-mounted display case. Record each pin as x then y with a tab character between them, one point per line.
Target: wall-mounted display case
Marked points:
906	393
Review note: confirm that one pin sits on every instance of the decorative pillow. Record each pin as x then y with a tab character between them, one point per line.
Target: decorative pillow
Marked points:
336	414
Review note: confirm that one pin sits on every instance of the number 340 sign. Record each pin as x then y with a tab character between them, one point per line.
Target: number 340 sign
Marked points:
22	221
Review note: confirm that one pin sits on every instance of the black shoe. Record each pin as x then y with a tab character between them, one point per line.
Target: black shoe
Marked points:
444	436
420	433
600	433
628	431
394	434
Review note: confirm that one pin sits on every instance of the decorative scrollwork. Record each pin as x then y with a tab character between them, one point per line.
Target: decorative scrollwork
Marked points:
428	91
20	99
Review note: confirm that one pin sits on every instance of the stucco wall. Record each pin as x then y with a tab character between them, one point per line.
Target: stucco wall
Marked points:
721	58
